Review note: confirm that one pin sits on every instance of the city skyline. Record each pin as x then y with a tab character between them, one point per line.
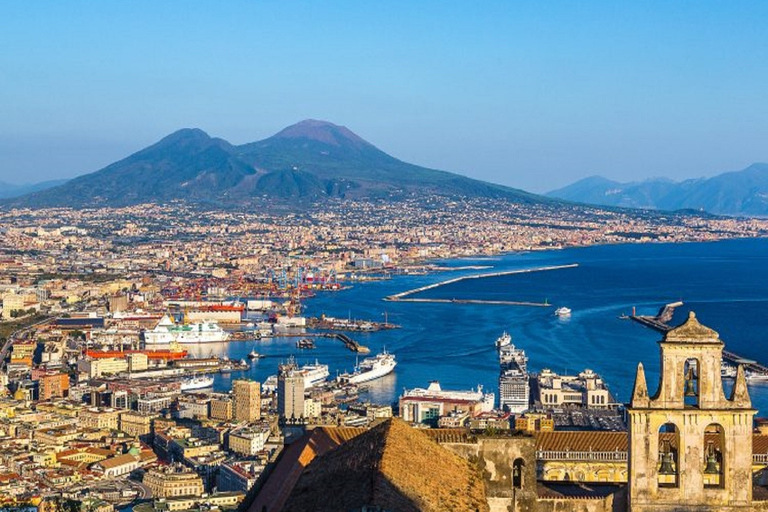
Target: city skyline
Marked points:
533	97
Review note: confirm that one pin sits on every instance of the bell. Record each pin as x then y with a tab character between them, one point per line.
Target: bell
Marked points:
667	464
690	383
712	468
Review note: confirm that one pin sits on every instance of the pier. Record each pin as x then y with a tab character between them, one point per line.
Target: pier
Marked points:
350	343
660	323
405	296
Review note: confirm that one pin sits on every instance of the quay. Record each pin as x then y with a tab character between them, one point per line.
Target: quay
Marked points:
660	323
349	343
403	296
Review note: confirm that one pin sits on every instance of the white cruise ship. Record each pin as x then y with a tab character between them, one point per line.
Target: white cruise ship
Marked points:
197	383
167	331
314	374
371	368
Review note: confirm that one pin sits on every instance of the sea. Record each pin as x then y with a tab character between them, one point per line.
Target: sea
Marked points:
724	282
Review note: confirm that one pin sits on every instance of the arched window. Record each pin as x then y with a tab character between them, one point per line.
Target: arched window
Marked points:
691	383
714	449
518	467
668	469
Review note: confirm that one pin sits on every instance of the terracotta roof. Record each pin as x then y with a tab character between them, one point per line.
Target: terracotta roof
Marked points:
114	462
582	441
294	459
387	467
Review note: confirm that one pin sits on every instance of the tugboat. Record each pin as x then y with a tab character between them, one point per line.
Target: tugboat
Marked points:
305	343
254	355
562	312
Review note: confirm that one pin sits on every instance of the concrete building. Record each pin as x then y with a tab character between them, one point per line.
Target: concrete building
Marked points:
247	400
173	481
238	476
248	441
290	392
586	389
99	418
221	408
53	385
136	424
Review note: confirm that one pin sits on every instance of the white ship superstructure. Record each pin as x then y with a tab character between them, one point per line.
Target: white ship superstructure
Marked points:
196	383
514	382
504	340
167	331
371	368
314	374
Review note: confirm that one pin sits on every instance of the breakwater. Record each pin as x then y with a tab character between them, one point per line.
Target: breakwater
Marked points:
406	295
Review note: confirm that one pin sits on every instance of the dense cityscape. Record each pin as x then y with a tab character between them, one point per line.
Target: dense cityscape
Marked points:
104	405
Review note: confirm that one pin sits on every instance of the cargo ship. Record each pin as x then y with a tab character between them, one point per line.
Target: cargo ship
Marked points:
370	368
167	331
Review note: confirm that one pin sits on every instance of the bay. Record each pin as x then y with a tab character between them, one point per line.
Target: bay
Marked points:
725	283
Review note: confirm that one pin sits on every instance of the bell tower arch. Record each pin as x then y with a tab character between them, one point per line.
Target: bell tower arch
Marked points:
707	461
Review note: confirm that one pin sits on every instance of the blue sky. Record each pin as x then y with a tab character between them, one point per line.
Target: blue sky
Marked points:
528	94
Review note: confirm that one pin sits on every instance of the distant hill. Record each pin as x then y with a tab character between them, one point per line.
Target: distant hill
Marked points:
309	161
8	190
733	193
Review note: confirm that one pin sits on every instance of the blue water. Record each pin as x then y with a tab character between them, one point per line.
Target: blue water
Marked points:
726	283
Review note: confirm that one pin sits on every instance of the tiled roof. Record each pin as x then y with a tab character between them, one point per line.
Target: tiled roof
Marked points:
582	441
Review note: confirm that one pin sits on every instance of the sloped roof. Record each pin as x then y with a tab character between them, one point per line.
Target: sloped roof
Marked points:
392	467
292	462
691	331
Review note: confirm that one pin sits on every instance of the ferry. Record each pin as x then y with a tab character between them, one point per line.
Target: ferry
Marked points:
196	383
305	343
503	340
370	368
167	331
563	311
314	374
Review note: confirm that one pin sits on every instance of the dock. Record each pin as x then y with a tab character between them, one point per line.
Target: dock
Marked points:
660	323
405	296
349	343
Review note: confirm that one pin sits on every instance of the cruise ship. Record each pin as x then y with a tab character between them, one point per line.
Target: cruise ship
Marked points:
167	331
314	374
370	368
503	340
514	382
196	383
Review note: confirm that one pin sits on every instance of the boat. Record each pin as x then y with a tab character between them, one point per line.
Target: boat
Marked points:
167	331
756	377
314	374
503	340
254	355
370	368
305	343
196	383
728	371
563	311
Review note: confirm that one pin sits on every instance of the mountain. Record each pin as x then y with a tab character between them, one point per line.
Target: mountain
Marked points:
309	161
742	192
8	190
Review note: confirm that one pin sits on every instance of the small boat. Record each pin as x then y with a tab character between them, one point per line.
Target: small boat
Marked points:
503	340
563	311
250	325
254	355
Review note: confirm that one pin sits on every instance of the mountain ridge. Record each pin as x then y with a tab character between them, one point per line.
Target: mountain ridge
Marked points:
743	192
309	161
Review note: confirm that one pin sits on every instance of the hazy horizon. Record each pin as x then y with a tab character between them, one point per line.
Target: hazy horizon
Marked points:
527	95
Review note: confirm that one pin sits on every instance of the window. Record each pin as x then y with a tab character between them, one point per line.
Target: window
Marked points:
517	473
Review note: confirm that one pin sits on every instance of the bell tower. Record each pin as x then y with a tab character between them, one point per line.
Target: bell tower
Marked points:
689	445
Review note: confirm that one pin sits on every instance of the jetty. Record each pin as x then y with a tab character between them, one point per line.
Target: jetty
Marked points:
349	343
660	323
406	295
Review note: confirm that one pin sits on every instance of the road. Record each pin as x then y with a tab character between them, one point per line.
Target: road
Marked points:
9	342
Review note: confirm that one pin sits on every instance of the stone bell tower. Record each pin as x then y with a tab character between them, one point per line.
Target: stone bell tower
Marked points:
689	445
